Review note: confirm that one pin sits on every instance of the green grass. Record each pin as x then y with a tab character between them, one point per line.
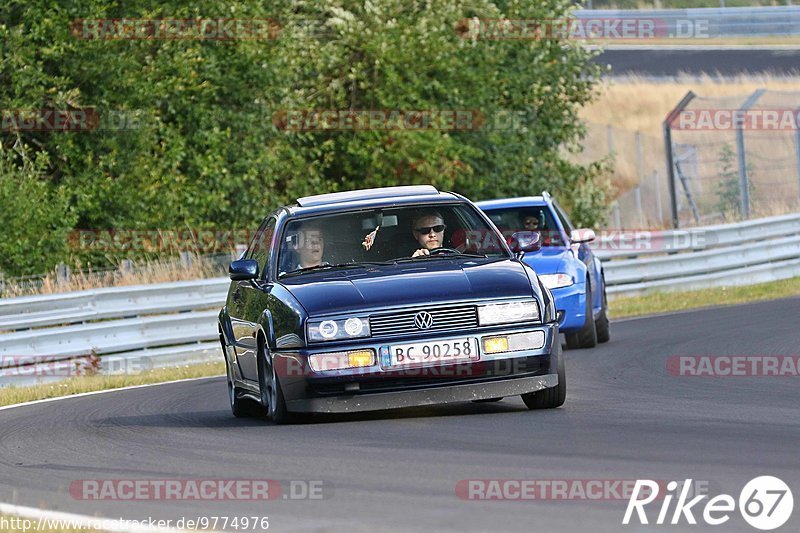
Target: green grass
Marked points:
77	385
664	302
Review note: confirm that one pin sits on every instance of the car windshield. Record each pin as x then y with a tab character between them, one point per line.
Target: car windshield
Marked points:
386	235
529	218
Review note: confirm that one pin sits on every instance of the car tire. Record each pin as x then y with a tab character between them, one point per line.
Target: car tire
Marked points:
601	324
587	336
269	386
552	397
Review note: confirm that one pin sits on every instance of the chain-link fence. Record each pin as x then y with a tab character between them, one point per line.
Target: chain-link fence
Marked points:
639	171
735	158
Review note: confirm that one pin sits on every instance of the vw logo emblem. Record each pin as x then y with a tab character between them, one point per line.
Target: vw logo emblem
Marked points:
423	320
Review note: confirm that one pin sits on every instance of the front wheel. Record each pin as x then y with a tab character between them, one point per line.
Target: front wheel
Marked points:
601	324
552	397
270	387
587	336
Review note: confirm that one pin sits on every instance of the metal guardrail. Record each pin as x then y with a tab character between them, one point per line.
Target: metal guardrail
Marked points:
176	322
716	22
753	251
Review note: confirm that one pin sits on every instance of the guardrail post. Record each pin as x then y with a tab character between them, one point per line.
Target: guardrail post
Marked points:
62	274
670	156
744	180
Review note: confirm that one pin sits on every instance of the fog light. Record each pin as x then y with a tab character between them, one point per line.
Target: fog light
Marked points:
321	362
495	344
361	358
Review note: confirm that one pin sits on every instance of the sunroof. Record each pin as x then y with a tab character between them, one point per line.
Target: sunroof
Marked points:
367	194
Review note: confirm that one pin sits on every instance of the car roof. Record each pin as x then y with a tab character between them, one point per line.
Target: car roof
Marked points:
521	201
366	198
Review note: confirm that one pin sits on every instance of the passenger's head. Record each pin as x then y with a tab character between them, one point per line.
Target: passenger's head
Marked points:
428	229
310	244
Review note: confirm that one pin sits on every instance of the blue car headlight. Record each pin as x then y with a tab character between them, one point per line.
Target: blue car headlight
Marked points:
338	329
556	281
507	313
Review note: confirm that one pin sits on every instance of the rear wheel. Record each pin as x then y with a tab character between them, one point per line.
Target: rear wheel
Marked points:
587	336
601	324
552	397
271	393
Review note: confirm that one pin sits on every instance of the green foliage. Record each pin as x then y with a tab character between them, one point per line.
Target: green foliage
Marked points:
202	151
729	193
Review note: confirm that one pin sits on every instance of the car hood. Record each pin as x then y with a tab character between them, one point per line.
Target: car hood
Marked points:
548	260
408	284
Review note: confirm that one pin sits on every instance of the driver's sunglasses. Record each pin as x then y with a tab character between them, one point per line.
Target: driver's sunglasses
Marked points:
438	228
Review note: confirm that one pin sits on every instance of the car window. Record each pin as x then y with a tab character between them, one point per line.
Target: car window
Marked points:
385	235
510	220
260	246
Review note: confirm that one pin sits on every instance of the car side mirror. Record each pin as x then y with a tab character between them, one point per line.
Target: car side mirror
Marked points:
582	235
525	241
243	269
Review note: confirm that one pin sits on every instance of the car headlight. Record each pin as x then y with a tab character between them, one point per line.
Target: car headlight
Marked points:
556	281
337	329
505	313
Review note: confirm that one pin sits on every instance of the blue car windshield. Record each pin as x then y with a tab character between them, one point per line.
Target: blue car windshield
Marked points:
529	218
387	234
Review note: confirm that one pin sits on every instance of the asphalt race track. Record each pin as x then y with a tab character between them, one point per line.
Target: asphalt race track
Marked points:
626	417
663	61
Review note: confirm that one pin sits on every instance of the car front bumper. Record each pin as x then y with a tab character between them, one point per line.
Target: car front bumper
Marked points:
376	388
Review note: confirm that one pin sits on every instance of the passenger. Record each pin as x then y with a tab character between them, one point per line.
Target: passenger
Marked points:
310	246
428	229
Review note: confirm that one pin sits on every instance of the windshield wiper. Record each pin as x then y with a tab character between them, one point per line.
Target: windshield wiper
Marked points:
328	266
453	253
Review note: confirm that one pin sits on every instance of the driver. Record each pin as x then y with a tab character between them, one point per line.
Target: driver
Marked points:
428	229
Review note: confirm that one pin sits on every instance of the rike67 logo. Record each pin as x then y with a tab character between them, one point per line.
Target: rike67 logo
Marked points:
765	503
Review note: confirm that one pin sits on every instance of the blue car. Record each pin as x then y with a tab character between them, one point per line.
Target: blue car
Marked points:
382	299
565	264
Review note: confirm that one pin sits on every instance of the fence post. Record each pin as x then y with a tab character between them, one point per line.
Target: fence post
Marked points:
186	259
797	152
62	274
2	284
670	157
637	192
657	185
610	139
126	266
744	180
617	216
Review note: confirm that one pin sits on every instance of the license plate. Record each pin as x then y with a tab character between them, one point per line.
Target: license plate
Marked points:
423	353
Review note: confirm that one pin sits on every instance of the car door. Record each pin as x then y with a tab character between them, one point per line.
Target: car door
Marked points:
247	301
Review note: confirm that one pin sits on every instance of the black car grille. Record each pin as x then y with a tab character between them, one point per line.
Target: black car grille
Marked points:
444	318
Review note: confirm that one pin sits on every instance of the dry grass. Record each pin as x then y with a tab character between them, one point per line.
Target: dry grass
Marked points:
79	384
141	273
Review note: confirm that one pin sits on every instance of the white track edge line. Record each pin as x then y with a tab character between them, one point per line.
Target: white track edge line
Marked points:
104	391
83	521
